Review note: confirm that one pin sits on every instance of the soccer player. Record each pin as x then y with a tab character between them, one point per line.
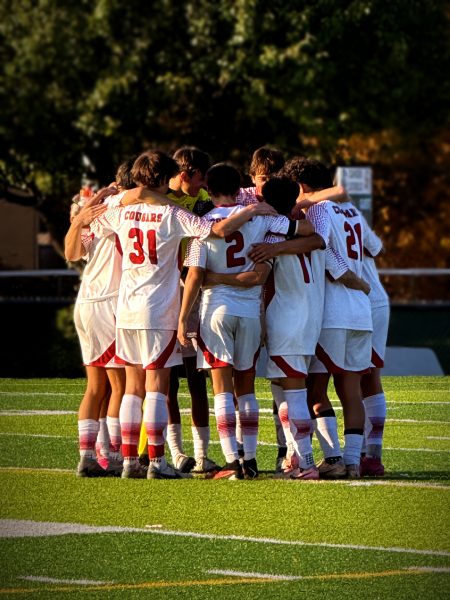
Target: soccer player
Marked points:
230	327
94	317
150	233
186	190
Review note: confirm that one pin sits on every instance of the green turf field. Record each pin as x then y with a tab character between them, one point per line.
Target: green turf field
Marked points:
111	538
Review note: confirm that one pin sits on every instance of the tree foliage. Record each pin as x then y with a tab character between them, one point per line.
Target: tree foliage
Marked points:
87	83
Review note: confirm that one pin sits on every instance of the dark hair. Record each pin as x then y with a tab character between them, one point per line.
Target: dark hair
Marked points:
266	161
281	193
123	174
190	159
308	171
223	179
153	169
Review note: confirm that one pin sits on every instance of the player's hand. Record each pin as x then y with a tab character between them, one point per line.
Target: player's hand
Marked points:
182	334
100	196
262	208
365	287
262	252
304	204
88	213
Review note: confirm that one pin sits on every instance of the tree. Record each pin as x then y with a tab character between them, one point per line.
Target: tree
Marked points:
87	83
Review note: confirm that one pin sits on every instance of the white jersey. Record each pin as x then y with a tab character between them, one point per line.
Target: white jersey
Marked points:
150	236
377	296
294	297
103	270
349	235
230	255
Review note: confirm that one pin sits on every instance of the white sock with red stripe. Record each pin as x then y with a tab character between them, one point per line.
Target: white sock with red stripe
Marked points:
283	415
226	425
102	443
174	440
115	437
249	417
375	407
326	430
278	398
201	436
156	416
130	424
87	436
301	424
352	448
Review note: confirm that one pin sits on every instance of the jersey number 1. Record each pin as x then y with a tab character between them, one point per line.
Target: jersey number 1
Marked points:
138	257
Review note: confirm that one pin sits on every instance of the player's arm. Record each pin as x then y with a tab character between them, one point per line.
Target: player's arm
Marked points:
141	195
192	285
73	244
338	193
337	271
232	223
247	279
298	245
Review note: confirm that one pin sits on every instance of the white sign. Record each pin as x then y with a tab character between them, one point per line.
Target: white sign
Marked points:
356	180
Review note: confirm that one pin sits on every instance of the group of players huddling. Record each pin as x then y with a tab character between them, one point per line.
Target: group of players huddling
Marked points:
287	263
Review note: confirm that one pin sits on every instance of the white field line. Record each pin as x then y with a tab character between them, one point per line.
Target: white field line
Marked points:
40	394
40	435
436	437
253	575
24	528
68	581
36	413
429	569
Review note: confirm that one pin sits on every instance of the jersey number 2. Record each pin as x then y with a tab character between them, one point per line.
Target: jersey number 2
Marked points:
138	257
232	259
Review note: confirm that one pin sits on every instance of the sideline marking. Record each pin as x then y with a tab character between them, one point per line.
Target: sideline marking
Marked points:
266	576
33	413
218	582
25	528
39	435
68	581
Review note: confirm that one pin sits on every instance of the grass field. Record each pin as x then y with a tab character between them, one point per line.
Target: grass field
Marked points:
111	538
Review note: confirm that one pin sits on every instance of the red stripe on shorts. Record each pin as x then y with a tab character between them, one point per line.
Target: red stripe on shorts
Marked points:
377	360
286	368
212	361
104	359
329	364
160	362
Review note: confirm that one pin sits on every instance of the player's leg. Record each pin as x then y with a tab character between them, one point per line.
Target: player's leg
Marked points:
102	442
196	381
88	422
181	461
130	416
375	409
116	377
248	409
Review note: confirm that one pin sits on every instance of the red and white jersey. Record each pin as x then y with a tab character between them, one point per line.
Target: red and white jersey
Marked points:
349	235
378	296
150	235
294	296
103	270
230	255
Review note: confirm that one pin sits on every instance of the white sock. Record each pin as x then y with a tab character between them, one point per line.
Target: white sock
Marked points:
159	462
239	438
201	436
174	440
248	416
130	424
156	416
102	443
87	435
375	407
327	434
226	425
352	448
283	414
278	398
115	437
301	424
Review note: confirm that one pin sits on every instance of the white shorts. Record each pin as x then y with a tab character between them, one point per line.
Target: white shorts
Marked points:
341	350
228	341
380	319
151	348
95	323
288	366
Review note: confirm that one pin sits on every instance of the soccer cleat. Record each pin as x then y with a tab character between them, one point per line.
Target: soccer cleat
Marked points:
279	464
166	472
184	463
250	469
335	470
115	467
352	471
231	471
311	474
288	473
205	465
144	460
371	466
89	467
133	470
